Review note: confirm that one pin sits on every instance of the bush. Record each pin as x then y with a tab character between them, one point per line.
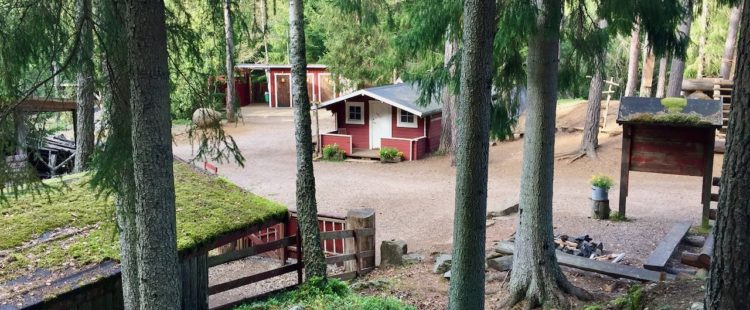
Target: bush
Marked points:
389	153
326	294
602	180
333	152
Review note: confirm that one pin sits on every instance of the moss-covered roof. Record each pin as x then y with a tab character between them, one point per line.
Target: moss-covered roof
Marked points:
74	228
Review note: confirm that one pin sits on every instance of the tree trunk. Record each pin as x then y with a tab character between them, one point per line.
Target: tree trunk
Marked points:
536	276
264	27
635	48
159	287
590	140
117	154
728	281
678	61
731	43
702	39
448	125
307	210
662	80
85	89
469	230
229	39
647	80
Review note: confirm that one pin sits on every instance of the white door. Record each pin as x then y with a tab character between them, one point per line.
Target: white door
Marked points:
380	123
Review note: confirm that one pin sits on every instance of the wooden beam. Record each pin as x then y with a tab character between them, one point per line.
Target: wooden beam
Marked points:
627	132
222	287
658	259
715	181
250	251
38	104
610	269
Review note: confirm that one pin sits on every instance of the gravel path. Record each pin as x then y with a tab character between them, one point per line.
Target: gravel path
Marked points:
414	200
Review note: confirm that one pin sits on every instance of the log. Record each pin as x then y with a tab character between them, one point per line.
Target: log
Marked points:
612	270
658	259
692	259
600	209
708	249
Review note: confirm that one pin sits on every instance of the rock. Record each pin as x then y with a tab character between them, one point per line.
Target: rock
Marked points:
391	253
502	263
504	212
696	241
699	95
205	117
696	306
412	258
442	264
447	275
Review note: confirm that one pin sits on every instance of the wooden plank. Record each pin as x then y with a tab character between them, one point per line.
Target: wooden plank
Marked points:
708	169
658	259
340	258
715	197
227	238
254	250
331	235
606	268
345	276
222	287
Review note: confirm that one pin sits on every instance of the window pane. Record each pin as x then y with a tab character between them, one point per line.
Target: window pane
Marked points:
407	117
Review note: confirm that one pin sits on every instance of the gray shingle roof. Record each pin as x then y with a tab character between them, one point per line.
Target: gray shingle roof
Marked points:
403	96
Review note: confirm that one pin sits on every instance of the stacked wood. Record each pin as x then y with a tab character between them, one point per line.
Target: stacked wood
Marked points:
702	259
581	246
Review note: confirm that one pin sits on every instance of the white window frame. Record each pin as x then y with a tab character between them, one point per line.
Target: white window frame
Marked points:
361	105
399	123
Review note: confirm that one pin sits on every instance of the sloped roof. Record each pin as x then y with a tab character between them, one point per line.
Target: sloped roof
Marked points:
403	96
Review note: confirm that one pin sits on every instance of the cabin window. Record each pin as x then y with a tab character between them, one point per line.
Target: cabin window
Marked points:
355	113
406	119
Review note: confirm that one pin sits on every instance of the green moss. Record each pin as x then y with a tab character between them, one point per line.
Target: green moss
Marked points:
207	208
679	118
674	104
700	230
633	300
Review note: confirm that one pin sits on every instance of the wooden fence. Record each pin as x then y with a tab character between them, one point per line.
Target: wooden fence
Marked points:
353	247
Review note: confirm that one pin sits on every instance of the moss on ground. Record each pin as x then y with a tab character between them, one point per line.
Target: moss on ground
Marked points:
207	207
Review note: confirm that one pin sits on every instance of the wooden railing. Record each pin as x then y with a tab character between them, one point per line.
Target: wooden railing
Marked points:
357	245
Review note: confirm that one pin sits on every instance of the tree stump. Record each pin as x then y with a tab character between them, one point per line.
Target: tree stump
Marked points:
600	209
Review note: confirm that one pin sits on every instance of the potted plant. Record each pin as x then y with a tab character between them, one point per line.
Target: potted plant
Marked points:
390	155
600	185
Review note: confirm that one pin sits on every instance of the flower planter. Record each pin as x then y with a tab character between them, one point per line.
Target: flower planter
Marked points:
390	160
598	193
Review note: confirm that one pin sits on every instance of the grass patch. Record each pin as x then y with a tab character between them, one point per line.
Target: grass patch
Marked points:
207	207
333	294
700	230
617	217
633	300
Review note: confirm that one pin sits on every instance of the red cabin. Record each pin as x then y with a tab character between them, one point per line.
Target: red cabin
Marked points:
384	116
275	79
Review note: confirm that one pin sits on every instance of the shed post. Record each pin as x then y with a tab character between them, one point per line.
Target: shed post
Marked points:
627	132
360	219
194	273
708	154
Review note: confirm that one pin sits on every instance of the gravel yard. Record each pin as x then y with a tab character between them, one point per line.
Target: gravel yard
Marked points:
414	200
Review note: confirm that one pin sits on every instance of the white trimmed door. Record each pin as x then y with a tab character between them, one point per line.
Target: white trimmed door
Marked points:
380	123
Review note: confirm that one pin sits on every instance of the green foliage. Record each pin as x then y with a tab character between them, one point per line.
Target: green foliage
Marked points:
700	230
594	307
333	152
617	217
601	180
332	294
679	118
674	104
633	300
206	209
389	153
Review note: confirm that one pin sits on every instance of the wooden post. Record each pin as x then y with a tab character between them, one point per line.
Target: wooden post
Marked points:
194	274
708	154
627	133
300	262
283	252
359	219
19	119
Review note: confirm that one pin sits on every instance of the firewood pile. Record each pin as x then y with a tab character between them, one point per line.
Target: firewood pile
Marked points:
585	247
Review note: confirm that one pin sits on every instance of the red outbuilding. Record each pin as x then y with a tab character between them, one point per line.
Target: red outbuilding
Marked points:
384	116
275	80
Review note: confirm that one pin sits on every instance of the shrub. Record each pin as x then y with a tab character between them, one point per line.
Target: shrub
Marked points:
390	153
333	152
602	180
674	104
326	294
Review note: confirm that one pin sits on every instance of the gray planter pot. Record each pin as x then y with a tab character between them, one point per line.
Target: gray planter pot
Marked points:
598	193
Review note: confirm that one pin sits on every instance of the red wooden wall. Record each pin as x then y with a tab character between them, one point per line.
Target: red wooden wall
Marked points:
313	89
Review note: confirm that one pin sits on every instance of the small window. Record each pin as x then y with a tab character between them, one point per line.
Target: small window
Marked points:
355	112
406	119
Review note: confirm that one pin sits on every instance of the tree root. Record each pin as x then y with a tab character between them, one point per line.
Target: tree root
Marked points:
556	296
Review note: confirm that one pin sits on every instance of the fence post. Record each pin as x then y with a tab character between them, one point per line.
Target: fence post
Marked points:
359	219
194	274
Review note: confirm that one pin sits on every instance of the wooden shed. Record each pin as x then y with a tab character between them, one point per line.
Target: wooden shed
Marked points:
320	83
669	136
61	251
